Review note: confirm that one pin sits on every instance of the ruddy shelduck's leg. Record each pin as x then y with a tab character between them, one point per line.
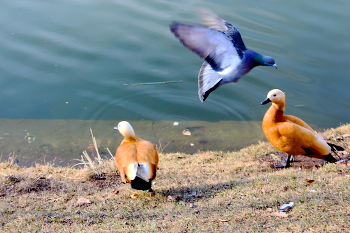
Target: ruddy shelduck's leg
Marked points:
122	175
288	161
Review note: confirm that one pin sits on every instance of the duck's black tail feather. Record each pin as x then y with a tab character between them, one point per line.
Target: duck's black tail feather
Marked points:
141	184
335	147
330	158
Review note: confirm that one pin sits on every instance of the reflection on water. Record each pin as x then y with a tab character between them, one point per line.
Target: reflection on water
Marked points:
70	60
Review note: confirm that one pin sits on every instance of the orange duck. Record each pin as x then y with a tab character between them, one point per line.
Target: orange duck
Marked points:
291	134
136	159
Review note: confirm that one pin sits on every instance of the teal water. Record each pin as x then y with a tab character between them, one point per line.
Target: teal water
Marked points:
63	65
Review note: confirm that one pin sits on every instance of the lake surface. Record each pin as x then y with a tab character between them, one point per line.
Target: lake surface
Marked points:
64	66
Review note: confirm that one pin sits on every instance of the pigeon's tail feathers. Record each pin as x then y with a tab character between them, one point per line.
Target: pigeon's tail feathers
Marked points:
208	81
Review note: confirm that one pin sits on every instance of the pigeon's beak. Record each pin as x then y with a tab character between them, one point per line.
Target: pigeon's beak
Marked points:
115	128
266	101
274	65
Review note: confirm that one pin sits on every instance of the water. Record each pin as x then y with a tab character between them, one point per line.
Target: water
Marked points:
63	67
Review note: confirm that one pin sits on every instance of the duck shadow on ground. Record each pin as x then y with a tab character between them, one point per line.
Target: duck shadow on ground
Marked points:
192	193
278	158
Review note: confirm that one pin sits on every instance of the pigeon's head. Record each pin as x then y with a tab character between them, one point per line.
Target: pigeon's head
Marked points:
269	61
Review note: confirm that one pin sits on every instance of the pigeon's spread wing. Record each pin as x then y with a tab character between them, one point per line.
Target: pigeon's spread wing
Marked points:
210	19
214	46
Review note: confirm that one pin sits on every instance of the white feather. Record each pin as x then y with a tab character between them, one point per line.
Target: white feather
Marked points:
132	170
143	171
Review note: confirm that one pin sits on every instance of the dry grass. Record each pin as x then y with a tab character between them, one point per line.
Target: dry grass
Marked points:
204	192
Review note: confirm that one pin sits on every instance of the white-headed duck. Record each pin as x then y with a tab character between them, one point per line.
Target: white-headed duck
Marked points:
290	134
136	159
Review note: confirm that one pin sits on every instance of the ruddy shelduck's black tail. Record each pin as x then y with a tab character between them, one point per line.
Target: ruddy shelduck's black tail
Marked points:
141	184
334	148
330	158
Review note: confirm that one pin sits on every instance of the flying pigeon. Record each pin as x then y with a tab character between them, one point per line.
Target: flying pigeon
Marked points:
220	44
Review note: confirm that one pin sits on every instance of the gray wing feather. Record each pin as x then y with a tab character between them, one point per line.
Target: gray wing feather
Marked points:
212	45
210	19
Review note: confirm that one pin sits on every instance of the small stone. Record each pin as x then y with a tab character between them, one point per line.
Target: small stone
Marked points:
343	153
267	226
152	194
134	195
193	194
286	207
82	201
339	138
279	214
223	220
186	132
173	198
118	216
309	181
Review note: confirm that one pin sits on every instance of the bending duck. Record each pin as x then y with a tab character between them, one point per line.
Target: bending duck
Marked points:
136	159
291	134
220	44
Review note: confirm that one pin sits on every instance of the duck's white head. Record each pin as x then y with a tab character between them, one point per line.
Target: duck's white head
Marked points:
277	98
125	129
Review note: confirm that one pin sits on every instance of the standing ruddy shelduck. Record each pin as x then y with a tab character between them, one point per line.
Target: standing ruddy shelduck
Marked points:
136	159
291	134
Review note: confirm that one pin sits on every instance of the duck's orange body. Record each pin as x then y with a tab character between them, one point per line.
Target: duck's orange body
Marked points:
291	134
136	159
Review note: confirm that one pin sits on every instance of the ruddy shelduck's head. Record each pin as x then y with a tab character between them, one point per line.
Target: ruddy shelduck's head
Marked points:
277	98
125	129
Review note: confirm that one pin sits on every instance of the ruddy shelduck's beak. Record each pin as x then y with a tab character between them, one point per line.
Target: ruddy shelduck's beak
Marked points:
115	128
266	101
